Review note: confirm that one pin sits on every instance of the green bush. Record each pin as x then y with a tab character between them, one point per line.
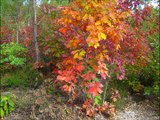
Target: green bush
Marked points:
26	76
146	79
149	77
150	74
14	72
11	53
6	105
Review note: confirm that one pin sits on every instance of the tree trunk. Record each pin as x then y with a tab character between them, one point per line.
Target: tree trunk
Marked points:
17	29
35	31
17	32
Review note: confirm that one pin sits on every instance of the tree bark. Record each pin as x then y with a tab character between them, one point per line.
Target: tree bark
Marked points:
17	32
35	31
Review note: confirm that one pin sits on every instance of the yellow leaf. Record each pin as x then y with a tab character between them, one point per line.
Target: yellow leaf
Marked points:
98	23
105	51
76	55
82	53
100	28
108	22
86	7
100	56
85	17
90	44
118	47
79	54
95	4
101	35
96	45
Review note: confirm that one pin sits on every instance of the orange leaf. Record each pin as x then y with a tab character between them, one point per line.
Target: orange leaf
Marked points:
63	30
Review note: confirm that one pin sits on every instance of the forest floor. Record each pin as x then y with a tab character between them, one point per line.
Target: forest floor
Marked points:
36	104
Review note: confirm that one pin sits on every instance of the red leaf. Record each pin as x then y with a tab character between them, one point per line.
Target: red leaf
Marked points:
61	78
63	30
95	88
80	68
89	76
104	76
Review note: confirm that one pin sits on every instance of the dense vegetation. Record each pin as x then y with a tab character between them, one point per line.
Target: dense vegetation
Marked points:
95	50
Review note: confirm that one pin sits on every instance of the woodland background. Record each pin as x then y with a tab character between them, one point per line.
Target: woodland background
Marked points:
77	55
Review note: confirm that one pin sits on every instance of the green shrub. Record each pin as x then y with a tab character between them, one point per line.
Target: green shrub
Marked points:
150	74
14	72
26	76
12	56
6	105
11	53
147	78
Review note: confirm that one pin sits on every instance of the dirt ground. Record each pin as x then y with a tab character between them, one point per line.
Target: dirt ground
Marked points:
36	104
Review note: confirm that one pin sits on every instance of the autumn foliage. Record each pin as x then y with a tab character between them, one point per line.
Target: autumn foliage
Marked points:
91	42
100	43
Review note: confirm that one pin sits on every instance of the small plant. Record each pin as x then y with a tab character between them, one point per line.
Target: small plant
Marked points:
21	77
6	105
11	53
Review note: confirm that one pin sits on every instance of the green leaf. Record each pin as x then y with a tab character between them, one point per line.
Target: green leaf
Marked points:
4	98
5	106
11	109
1	112
11	103
147	91
96	80
88	95
98	100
